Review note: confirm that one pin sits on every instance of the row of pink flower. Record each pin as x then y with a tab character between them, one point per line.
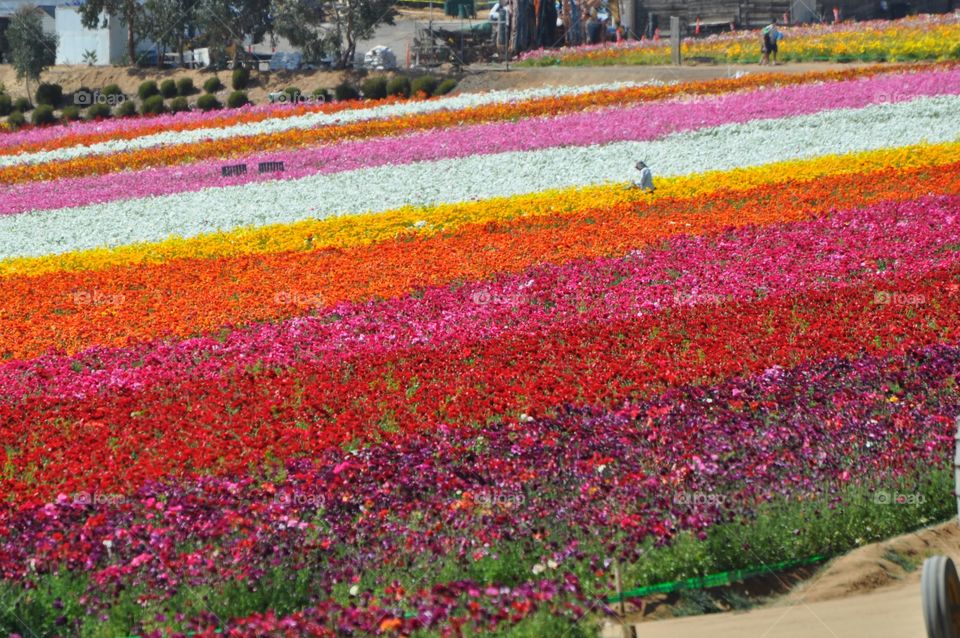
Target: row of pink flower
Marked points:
873	245
750	35
642	122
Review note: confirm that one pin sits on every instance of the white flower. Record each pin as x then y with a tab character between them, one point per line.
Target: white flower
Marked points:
721	148
307	121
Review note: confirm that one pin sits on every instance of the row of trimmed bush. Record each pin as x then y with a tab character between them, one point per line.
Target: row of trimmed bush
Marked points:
379	87
152	96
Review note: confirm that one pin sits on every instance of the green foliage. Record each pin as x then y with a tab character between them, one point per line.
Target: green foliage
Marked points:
426	85
375	88
153	105
43	115
6	104
238	99
16	119
331	26
399	86
147	89
212	85
293	94
240	78
99	112
168	88
70	114
111	89
208	102
50	94
179	105
446	86
127	108
322	94
185	86
31	49
22	104
345	91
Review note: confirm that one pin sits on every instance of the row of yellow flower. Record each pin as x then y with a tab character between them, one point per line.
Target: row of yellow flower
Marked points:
893	43
343	232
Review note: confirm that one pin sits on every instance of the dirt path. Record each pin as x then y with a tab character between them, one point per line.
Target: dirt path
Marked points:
873	591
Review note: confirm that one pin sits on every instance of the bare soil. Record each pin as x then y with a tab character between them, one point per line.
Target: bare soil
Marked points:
872	591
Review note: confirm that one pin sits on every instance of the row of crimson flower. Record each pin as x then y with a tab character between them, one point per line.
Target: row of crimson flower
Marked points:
248	414
907	237
544	495
113	306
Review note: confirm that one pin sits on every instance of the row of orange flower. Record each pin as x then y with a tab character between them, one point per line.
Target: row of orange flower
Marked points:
76	310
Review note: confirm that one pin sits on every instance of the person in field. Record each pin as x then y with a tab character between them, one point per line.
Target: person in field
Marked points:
771	38
645	181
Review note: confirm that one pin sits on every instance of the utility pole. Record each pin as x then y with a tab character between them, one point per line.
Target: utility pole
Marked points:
675	40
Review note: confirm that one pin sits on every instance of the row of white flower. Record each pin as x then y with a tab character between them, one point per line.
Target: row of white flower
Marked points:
477	177
308	121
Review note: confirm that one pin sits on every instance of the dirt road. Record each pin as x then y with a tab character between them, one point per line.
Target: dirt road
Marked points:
893	613
872	592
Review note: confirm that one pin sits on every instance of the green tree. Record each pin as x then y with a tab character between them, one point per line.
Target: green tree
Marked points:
94	15
31	49
229	24
167	23
330	26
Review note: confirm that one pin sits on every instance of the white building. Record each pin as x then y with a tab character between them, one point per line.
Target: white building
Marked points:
62	17
9	7
108	44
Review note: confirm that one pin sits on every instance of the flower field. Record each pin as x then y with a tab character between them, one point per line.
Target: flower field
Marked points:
444	372
924	37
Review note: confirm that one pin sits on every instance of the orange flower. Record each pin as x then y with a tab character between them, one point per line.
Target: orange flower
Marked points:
68	310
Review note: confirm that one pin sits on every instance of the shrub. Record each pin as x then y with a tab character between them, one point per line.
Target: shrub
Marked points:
6	104
22	104
16	119
399	85
70	114
111	89
426	85
43	115
322	95
237	99
179	105
208	102
446	86
375	88
100	111
49	94
185	86
127	108
240	79
168	88
345	91
147	89
212	85
293	94
153	105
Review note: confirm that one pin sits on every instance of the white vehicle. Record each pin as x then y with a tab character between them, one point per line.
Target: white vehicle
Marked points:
380	58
